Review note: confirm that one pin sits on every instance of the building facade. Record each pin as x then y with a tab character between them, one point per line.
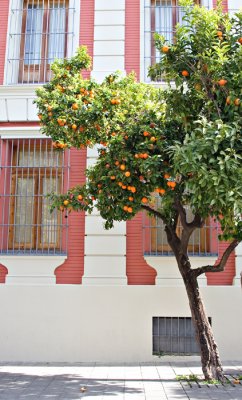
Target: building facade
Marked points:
70	290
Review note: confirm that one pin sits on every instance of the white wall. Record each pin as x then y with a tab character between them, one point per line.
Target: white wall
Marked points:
106	323
234	5
109	37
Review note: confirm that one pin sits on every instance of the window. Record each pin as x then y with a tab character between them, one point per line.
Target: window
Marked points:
161	16
203	242
39	32
174	335
31	169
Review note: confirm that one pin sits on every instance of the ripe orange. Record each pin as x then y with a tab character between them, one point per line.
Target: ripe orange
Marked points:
219	33
228	100
113	101
144	200
237	102
133	189
113	177
162	191
146	133
171	184
131	198
185	73
79	197
66	202
122	167
127	174
165	49
120	184
125	208
116	163
49	108
74	127
124	187
153	139
113	134
240	40
61	121
130	209
98	128
81	129
136	156
167	176
74	106
145	155
222	82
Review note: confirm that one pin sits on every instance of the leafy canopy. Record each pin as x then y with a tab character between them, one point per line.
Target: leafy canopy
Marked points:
182	144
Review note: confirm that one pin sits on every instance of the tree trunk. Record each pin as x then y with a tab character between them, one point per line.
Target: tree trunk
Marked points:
211	364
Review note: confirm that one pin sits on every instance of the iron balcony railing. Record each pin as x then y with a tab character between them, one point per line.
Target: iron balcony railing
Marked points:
29	169
39	32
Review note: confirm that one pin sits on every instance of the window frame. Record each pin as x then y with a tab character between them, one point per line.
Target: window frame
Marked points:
35	173
202	247
39	71
175	19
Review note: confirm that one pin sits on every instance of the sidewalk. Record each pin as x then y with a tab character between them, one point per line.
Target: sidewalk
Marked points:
148	381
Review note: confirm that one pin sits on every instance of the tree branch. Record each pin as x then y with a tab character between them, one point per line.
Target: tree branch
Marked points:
154	212
222	263
197	220
173	239
182	213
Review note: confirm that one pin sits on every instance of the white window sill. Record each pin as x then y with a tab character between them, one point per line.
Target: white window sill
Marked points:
30	269
168	273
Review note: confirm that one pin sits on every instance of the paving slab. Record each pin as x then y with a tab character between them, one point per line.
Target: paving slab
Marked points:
144	381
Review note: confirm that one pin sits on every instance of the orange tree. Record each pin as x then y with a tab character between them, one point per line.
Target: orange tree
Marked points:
182	144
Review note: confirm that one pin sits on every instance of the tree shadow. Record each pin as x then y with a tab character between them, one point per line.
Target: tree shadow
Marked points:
51	384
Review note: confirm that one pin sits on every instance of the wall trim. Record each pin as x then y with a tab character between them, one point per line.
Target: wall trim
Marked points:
27	132
31	269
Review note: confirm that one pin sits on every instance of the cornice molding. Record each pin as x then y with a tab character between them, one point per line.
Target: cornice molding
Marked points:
24	91
14	132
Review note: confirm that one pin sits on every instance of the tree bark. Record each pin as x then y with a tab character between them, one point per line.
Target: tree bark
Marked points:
211	364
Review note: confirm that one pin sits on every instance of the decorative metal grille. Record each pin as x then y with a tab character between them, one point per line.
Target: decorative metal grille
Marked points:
39	32
29	169
160	16
203	242
174	335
